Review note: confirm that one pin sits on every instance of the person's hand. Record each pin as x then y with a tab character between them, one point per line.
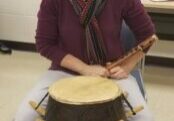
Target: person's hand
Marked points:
95	70
118	72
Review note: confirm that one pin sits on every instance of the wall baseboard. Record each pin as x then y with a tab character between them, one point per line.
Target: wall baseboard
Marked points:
31	47
169	62
19	45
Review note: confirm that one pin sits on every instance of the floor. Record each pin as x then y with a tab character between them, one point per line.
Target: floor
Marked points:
21	70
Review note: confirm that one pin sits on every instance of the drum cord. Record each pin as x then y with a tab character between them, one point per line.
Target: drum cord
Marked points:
129	105
123	97
41	101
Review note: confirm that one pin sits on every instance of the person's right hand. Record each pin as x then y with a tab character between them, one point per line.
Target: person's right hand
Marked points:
95	70
75	64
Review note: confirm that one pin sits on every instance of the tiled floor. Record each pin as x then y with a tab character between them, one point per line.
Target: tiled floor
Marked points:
20	71
160	88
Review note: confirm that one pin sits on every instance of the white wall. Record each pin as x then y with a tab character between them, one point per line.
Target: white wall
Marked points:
18	19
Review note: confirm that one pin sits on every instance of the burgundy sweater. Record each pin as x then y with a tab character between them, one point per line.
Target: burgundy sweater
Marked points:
59	31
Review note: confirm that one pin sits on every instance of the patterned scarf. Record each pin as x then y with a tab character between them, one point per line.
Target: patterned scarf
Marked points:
87	11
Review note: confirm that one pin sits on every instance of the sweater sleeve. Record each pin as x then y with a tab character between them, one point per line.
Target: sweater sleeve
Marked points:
138	20
47	42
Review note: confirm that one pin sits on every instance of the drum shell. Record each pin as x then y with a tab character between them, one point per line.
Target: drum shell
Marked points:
107	111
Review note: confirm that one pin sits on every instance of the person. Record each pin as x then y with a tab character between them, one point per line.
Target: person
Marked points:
82	37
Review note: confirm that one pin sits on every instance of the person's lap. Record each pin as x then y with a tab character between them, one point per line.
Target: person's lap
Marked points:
135	98
26	113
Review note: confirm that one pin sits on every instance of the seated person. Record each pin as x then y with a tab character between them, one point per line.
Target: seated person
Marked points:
81	38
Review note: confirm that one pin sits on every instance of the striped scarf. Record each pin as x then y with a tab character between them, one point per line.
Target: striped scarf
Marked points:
87	11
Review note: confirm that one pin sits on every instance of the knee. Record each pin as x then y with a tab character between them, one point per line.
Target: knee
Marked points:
25	113
25	117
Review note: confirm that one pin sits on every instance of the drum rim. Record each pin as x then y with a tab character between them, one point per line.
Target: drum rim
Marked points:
64	101
85	103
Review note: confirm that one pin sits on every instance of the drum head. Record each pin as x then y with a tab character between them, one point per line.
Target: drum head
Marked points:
81	90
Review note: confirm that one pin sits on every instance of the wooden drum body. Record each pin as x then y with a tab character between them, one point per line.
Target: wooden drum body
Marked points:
85	98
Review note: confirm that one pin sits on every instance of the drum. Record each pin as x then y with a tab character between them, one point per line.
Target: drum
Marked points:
84	98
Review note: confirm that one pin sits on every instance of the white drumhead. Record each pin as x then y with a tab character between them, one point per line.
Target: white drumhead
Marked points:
81	90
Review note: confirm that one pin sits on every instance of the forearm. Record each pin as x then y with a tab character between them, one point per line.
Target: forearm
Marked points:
131	61
72	63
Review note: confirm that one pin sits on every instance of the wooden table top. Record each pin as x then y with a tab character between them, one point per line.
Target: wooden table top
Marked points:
159	7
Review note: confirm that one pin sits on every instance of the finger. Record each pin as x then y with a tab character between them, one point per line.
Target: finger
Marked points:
122	76
121	70
115	70
116	74
119	75
108	64
105	73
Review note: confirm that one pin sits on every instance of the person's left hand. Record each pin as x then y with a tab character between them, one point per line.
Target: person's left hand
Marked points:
123	69
118	72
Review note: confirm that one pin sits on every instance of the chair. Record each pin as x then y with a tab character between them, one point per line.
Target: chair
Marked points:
129	41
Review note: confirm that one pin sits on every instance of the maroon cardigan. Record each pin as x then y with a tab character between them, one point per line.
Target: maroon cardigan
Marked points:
59	31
